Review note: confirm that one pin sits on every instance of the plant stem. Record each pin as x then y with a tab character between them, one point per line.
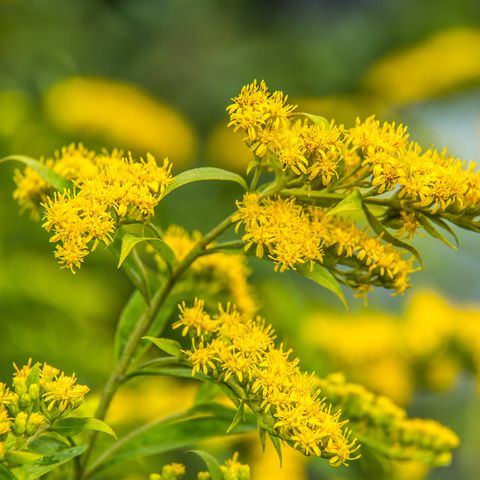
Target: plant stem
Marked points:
142	327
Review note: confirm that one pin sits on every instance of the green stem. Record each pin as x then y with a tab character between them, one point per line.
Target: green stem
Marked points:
142	327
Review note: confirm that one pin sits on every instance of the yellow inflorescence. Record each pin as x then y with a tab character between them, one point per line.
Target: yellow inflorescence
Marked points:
317	152
240	351
39	395
292	234
384	425
225	272
106	188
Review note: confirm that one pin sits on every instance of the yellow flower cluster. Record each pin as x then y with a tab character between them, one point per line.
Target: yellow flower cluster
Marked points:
240	351
395	355
39	395
232	469
383	425
226	273
106	188
292	234
315	152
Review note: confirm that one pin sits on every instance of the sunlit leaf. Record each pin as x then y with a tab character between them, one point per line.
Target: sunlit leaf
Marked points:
323	277
71	426
129	242
379	229
433	232
211	462
352	203
202	174
167	345
50	176
172	433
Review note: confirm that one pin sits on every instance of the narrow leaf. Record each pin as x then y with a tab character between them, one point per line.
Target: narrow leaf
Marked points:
323	277
34	470
277	445
379	229
167	345
129	242
211	462
352	203
201	174
172	433
432	231
50	176
173	371
71	426
238	417
442	224
316	119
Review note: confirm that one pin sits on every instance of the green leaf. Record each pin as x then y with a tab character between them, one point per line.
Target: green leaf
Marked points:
379	229
71	426
442	224
129	317
129	242
173	371
49	175
167	345
6	474
171	433
201	174
316	119
37	469
433	232
239	417
277	445
211	462
207	393
352	203
323	277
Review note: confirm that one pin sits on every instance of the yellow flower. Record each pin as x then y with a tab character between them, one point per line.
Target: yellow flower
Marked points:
241	350
63	394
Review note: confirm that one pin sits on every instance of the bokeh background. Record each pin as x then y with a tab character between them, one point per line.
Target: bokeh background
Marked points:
156	76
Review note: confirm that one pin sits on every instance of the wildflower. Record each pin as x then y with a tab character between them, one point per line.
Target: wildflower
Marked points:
232	469
106	188
241	350
63	394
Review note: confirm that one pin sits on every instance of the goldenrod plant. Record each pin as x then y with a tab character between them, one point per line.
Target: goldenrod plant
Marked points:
336	205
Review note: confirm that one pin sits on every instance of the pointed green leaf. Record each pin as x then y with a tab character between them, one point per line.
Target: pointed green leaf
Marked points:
204	173
129	242
211	462
379	229
34	470
169	371
238	417
50	176
167	345
207	393
323	277
352	203
433	232
277	445
71	426
442	224
171	433
316	119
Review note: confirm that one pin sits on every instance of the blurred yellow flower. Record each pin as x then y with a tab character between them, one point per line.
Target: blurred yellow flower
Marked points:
444	62
122	114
